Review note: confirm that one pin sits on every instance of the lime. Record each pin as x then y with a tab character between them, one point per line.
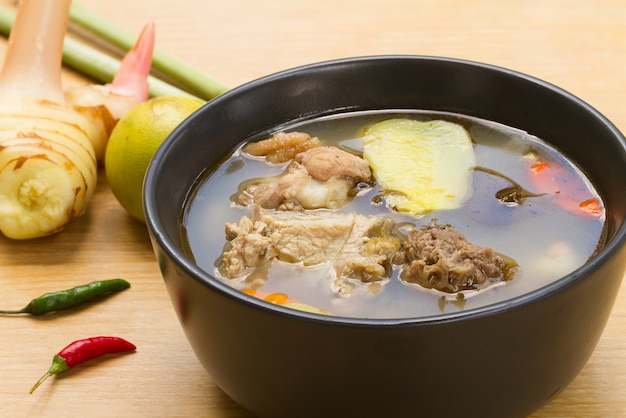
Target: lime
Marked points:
133	142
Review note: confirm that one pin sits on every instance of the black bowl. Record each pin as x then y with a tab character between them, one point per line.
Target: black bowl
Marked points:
502	360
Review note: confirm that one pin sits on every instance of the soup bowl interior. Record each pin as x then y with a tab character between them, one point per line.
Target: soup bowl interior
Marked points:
505	359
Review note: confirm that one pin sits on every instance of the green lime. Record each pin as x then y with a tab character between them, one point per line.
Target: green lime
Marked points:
133	142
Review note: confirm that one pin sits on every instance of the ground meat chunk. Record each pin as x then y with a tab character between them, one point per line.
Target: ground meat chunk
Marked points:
282	146
321	177
359	247
439	257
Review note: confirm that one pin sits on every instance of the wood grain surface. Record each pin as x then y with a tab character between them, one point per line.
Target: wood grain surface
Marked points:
580	46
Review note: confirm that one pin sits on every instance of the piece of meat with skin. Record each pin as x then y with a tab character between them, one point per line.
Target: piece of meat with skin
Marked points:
275	191
282	146
439	257
322	177
359	247
296	190
306	238
324	163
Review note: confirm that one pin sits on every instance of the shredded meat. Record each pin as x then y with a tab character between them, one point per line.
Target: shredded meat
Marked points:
321	177
282	147
439	257
359	247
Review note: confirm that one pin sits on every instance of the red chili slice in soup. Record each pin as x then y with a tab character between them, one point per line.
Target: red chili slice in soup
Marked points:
570	192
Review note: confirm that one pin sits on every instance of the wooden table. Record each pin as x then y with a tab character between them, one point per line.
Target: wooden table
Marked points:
580	46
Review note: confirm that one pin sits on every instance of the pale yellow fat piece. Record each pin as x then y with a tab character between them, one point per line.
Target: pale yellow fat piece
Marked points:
421	166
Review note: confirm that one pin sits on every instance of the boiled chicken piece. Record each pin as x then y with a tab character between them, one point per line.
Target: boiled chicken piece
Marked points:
358	247
320	177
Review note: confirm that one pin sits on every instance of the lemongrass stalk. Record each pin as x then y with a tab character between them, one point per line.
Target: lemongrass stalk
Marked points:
91	62
190	78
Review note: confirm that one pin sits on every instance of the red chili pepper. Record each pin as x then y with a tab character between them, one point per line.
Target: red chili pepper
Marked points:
83	350
569	191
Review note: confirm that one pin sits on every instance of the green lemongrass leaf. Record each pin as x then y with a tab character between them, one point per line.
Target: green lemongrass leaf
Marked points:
92	62
188	77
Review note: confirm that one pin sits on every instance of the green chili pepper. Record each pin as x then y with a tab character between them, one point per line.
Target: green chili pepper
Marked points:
64	299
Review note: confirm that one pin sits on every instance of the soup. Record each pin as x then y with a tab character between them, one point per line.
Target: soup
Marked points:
540	227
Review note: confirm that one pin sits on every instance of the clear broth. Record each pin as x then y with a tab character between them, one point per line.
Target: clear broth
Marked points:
546	240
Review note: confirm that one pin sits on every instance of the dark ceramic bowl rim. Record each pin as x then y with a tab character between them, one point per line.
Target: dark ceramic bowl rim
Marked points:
205	278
